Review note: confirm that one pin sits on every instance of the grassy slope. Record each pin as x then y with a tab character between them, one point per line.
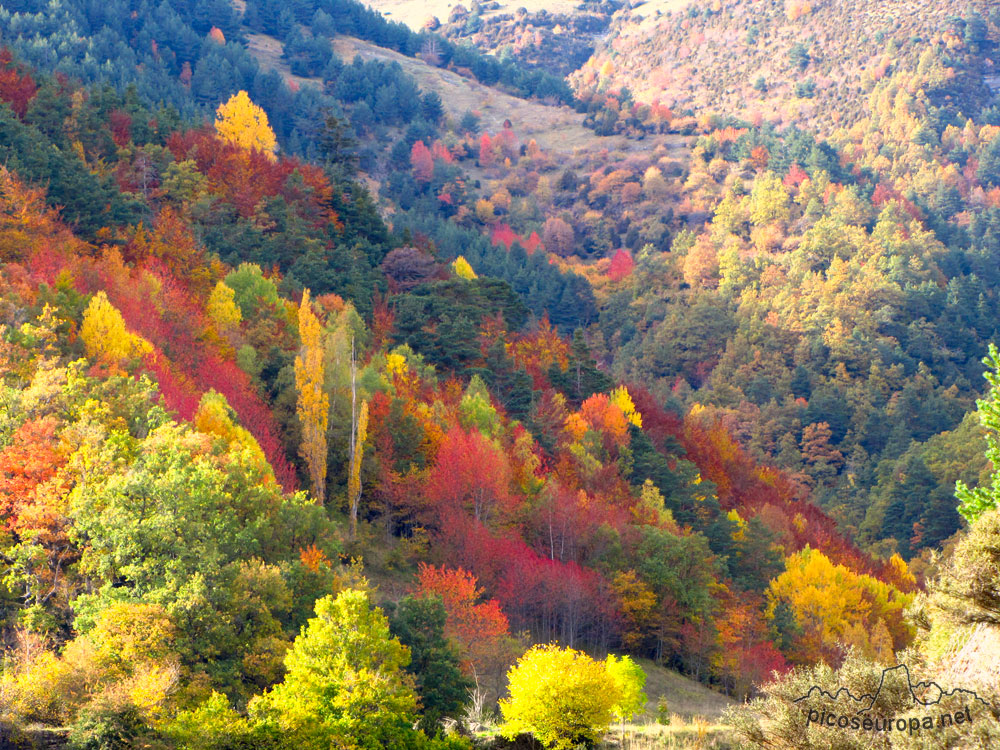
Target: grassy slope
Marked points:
685	697
556	129
268	51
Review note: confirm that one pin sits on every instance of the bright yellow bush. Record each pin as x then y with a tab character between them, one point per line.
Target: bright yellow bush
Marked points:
630	679
561	696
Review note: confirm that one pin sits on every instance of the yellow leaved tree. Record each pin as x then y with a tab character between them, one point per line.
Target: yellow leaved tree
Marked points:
105	335
621	398
463	269
215	417
357	455
313	406
243	123
222	309
561	696
833	606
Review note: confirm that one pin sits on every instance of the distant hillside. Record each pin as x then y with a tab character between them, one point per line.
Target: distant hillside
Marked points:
553	127
811	62
416	13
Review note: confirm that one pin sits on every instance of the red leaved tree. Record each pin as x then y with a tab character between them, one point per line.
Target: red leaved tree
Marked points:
470	475
621	265
486	157
422	162
479	628
17	87
503	235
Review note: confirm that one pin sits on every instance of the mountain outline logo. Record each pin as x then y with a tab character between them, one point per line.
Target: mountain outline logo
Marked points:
913	688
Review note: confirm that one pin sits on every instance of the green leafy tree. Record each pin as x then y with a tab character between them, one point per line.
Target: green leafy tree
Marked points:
346	684
630	680
209	538
419	622
252	291
476	410
561	696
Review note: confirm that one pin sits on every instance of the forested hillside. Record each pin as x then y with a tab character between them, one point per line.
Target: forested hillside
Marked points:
809	63
322	405
828	295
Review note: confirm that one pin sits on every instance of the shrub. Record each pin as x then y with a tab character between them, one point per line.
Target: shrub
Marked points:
108	727
561	696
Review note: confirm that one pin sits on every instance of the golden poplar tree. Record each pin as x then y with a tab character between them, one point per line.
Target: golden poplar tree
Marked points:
357	455
241	122
313	406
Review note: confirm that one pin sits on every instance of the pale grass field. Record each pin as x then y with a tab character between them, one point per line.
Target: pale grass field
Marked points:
554	128
557	129
679	734
696	734
268	51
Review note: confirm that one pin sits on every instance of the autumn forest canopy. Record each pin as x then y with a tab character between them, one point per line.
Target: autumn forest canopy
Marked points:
341	410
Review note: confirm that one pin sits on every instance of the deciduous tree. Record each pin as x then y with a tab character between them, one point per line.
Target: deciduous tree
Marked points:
241	122
480	628
345	684
561	696
630	679
422	162
463	269
313	404
558	236
621	265
471	474
105	335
